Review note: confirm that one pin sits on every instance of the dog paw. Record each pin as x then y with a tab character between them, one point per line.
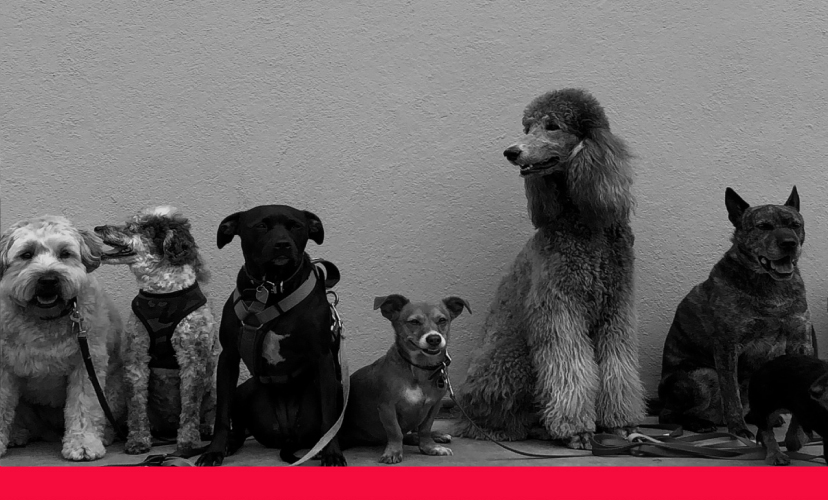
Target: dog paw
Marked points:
18	438
137	446
436	450
777	458
391	457
333	460
742	432
210	459
579	441
3	449
623	432
441	437
779	421
700	426
83	447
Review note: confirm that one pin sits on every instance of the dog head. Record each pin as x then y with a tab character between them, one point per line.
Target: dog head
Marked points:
273	237
568	155
819	391
421	329
154	237
770	237
45	262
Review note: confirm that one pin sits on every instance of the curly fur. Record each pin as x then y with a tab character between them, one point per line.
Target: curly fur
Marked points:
41	370
560	346
162	254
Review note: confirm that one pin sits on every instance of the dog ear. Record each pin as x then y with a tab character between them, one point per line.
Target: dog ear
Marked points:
793	200
455	305
227	229
179	247
315	231
390	305
6	242
599	178
91	248
736	207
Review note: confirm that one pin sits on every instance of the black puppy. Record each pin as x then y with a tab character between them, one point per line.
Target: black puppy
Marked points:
278	321
795	383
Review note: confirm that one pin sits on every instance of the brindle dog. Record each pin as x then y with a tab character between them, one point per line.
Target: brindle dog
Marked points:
750	310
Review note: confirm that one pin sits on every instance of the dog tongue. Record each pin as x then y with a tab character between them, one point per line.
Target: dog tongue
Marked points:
784	266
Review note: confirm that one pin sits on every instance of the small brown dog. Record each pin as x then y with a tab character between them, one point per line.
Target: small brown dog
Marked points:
798	384
402	391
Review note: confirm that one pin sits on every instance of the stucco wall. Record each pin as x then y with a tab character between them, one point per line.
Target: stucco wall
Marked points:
389	123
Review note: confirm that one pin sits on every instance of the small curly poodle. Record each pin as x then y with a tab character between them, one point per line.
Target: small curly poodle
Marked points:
560	352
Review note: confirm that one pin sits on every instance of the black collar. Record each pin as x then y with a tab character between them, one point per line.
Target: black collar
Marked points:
269	285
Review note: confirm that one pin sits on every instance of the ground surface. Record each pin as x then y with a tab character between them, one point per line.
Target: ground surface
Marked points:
466	453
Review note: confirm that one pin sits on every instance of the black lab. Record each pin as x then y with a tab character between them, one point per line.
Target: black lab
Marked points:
278	321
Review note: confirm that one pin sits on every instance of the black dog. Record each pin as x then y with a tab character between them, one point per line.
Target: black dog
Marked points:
750	310
795	383
294	396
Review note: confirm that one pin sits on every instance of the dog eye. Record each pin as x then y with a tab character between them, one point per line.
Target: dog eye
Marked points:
260	226
26	256
442	321
796	224
415	322
65	254
550	125
764	226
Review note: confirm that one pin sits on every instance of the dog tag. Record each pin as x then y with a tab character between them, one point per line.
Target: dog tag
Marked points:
262	294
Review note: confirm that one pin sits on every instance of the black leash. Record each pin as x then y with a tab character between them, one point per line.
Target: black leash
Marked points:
78	326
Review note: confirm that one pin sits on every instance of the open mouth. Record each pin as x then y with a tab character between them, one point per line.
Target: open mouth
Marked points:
117	251
432	350
783	267
536	168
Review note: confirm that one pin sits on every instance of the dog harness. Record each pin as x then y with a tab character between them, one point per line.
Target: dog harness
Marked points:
269	354
160	314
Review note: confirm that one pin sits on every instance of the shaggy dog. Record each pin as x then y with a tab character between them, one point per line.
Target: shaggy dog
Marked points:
560	345
171	346
44	276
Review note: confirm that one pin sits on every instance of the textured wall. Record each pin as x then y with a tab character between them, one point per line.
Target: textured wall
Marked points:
389	124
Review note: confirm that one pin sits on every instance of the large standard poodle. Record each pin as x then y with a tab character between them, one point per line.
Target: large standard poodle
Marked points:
560	347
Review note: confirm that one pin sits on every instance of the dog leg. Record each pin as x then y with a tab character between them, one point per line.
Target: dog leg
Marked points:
427	444
795	437
9	397
193	379
393	453
620	403
564	361
83	415
136	364
497	393
774	454
726	360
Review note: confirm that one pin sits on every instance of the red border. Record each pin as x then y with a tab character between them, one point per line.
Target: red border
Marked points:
421	483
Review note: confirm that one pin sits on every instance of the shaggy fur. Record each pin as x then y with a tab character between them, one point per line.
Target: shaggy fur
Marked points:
161	253
559	346
751	309
44	263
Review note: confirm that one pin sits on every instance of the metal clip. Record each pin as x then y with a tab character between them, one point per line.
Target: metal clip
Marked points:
77	322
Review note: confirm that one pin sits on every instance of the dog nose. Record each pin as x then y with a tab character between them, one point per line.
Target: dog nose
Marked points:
98	229
281	245
434	340
788	243
48	280
512	153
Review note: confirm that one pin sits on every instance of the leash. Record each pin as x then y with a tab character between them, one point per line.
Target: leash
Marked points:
670	445
336	328
78	327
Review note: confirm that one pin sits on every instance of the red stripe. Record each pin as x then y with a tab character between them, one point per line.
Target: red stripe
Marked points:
421	483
